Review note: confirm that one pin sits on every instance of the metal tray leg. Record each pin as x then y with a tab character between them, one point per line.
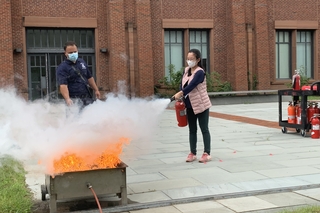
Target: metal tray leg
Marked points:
53	203
124	199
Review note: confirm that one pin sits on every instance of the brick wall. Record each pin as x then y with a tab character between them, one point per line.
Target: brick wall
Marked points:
144	52
60	8
239	46
118	56
6	50
229	36
102	36
20	80
262	48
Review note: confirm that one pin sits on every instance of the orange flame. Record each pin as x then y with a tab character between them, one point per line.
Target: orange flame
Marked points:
71	162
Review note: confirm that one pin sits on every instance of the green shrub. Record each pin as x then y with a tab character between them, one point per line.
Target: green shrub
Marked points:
215	84
174	79
308	209
15	197
169	85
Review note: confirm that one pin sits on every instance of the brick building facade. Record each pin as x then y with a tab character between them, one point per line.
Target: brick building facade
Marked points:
253	44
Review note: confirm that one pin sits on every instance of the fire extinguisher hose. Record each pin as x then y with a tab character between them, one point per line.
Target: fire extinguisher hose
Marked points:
95	196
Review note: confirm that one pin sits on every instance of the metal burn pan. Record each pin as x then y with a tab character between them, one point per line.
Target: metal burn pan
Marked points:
74	185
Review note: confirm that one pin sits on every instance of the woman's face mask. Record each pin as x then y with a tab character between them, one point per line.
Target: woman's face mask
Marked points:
191	63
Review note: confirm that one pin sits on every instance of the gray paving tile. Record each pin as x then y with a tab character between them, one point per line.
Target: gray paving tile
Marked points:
314	179
290	182
242	167
144	178
163	167
311	193
286	199
195	172
142	163
202	207
310	154
225	188
228	177
302	142
166	209
148	197
258	148
188	192
163	184
246	204
163	155
286	172
129	171
300	162
265	184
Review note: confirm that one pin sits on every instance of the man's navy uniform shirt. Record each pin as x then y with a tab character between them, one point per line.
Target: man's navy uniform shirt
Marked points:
68	76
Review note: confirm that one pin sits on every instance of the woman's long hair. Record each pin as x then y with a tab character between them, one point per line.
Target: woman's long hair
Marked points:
197	53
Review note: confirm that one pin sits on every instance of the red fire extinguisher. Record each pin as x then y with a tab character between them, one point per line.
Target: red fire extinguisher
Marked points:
296	80
291	113
316	108
310	111
181	112
315	122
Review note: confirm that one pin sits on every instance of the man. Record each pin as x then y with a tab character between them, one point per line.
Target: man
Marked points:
74	77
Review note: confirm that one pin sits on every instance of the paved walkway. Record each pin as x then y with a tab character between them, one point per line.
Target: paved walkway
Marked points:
255	166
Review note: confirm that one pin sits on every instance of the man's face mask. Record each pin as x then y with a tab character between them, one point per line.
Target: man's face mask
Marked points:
73	56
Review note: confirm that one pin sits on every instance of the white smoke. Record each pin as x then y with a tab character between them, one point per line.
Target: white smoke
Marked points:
44	131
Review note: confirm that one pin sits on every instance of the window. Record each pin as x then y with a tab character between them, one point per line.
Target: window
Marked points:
173	48
288	43
56	38
283	63
199	40
304	53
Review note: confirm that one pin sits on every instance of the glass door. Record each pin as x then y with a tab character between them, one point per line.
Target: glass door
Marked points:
42	76
45	53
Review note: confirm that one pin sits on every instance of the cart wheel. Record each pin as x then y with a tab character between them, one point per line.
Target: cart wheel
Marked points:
298	130
284	129
44	192
303	133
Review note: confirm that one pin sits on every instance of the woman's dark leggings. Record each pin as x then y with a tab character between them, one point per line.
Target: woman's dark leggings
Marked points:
203	123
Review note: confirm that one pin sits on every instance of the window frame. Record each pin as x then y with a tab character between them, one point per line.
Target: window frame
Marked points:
186	46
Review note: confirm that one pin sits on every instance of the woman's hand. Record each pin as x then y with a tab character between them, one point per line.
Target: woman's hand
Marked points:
178	95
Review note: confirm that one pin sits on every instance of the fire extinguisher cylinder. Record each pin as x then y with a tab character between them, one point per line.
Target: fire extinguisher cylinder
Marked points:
291	113
315	126
181	113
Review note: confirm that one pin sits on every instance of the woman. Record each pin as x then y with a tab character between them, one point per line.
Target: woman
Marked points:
194	89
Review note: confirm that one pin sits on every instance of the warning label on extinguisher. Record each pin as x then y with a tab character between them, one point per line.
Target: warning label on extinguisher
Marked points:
183	112
315	127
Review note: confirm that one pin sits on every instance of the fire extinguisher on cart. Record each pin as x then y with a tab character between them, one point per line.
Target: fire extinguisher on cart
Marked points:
181	112
291	113
315	123
296	80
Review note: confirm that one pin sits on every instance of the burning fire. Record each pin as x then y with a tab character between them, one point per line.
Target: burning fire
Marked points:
71	162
